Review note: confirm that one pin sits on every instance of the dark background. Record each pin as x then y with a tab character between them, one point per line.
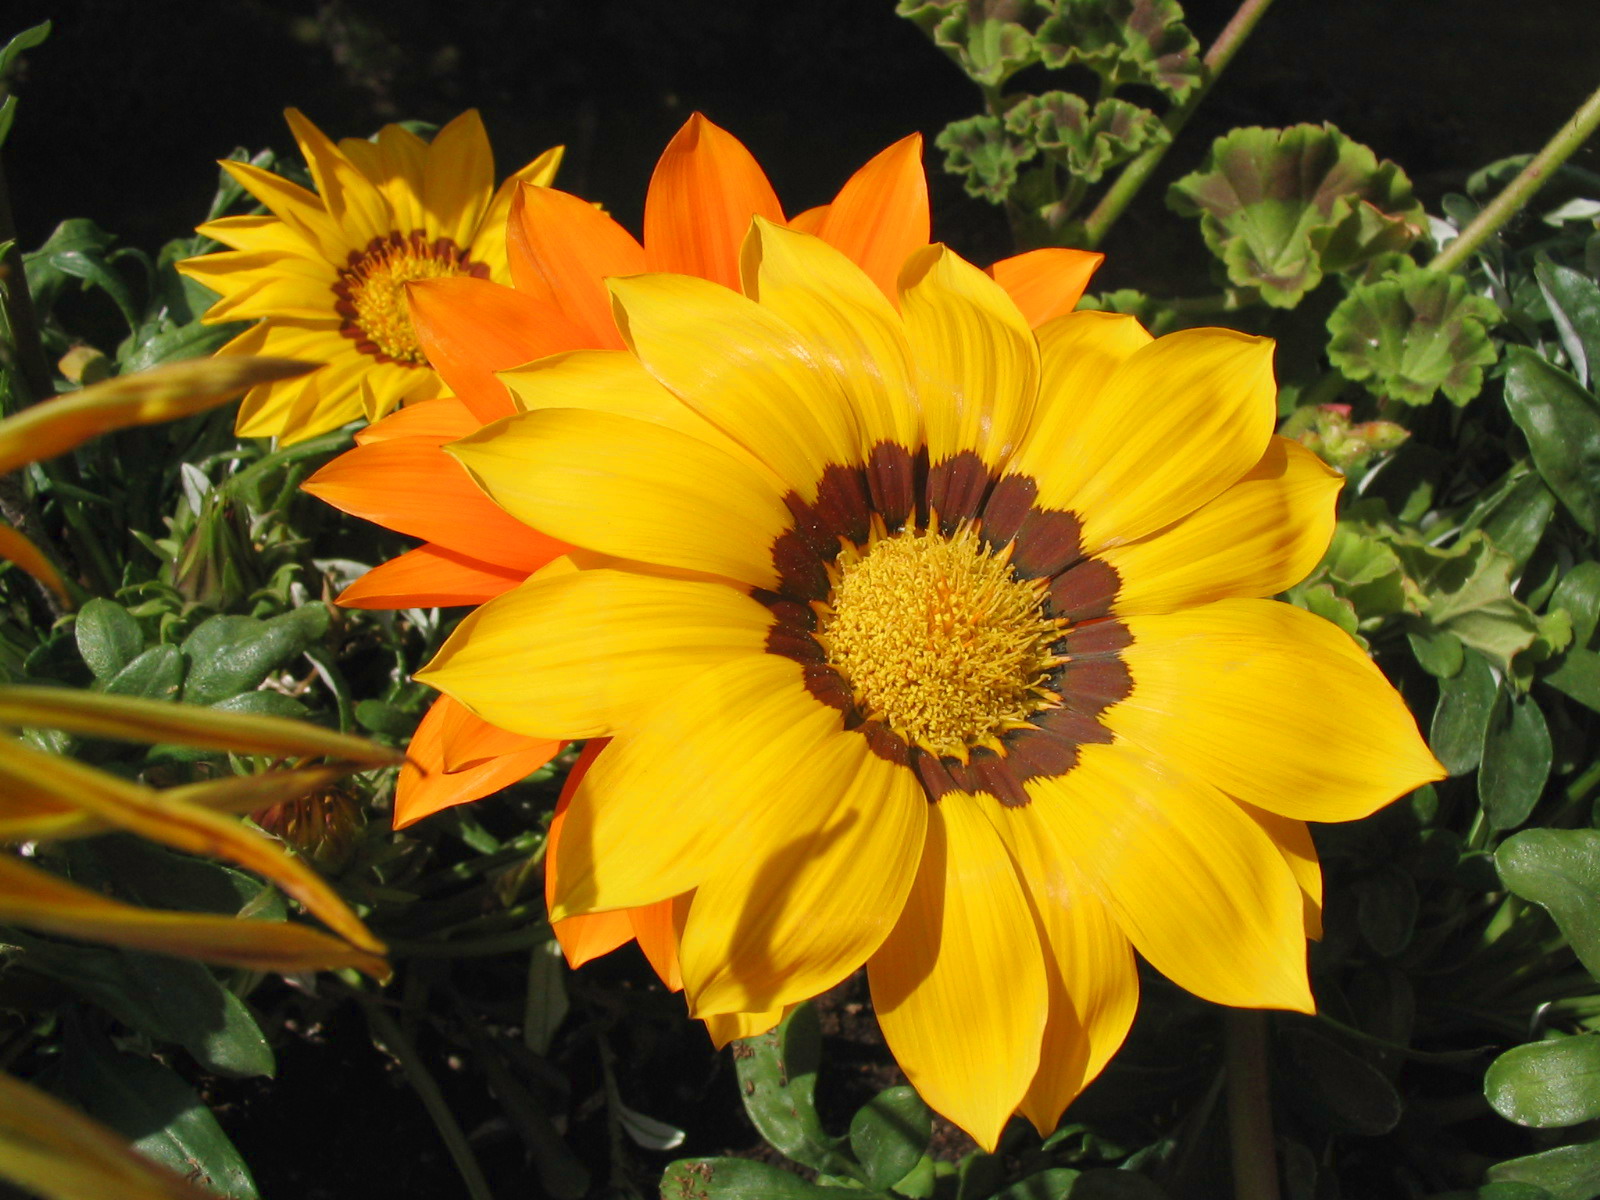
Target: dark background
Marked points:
124	109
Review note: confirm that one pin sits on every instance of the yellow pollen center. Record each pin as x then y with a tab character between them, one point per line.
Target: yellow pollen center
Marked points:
373	296
939	640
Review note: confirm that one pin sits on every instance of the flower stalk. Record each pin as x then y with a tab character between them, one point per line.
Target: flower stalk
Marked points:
1255	1161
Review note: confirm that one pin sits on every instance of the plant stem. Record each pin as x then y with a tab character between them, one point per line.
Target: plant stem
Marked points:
23	322
1255	1160
1134	176
1521	189
388	1034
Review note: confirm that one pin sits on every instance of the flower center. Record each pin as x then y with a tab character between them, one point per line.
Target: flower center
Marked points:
372	294
939	640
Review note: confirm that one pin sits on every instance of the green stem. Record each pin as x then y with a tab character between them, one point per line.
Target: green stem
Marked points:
32	366
388	1035
485	947
1255	1159
1521	189
1134	176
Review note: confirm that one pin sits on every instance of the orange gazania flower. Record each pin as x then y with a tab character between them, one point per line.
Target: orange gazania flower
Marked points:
706	190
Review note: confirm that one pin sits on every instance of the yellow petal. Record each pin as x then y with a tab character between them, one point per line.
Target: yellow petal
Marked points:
573	656
959	986
613	381
814	891
145	398
136	720
976	361
1262	535
1196	885
726	1027
1272	705
54	1151
17	549
460	178
350	196
1078	354
673	791
1178	421
256	233
142	810
629	488
395	162
842	314
1293	840
264	284
741	368
35	899
1089	966
302	211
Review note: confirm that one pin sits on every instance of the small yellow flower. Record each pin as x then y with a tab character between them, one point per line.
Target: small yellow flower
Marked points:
327	270
932	643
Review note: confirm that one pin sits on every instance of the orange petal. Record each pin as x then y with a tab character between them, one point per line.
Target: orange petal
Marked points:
881	214
588	935
441	420
562	248
657	928
415	488
428	577
471	328
425	786
809	221
1046	283
704	193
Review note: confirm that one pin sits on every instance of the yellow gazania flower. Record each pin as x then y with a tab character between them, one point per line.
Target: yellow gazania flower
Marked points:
327	270
928	642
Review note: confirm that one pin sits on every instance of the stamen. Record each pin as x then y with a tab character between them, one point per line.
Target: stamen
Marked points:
371	292
938	639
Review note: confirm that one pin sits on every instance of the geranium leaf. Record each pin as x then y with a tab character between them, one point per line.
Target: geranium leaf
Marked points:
1280	207
1125	41
1087	142
980	150
1562	424
1412	334
978	34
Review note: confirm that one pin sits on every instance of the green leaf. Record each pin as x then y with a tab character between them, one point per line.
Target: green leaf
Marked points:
78	249
1412	334
1567	1172
742	1179
152	1107
889	1134
229	655
26	40
1497	1191
980	150
1577	675
1125	41
1461	717
193	340
1562	424
1270	201
1516	760
1559	870
108	637
1439	652
1386	910
1575	307
1547	1084
546	1005
990	49
1053	1184
157	674
1105	1184
1087	143
1347	1093
378	717
1579	594
1516	521
778	1079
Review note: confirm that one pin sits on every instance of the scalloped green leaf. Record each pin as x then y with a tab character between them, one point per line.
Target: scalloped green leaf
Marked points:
1125	41
1282	207
1413	334
1087	142
981	151
982	36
